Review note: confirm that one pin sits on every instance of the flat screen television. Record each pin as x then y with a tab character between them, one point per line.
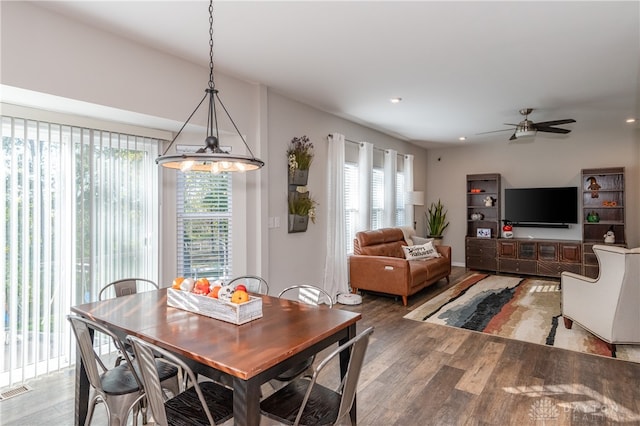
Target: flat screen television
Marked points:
541	207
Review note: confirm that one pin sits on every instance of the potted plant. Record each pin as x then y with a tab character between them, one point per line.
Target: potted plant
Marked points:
300	154
436	220
301	208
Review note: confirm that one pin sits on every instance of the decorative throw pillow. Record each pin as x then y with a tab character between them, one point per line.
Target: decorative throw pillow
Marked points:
423	251
419	240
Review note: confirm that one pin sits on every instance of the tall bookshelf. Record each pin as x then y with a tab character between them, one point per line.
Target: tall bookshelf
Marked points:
602	197
480	251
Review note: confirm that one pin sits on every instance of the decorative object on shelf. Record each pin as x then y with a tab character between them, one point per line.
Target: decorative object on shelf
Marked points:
593	217
488	201
609	203
593	186
484	233
300	154
476	190
507	230
477	216
436	220
610	236
210	158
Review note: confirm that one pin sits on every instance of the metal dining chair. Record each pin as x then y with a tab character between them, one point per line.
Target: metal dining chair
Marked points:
311	295
308	402
119	387
125	287
204	403
254	283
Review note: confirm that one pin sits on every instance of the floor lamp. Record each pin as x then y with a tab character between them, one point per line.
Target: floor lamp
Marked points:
416	198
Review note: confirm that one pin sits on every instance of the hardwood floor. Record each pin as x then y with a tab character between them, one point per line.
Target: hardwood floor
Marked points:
424	374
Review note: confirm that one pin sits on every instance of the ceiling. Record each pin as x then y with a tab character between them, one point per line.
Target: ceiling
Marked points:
461	68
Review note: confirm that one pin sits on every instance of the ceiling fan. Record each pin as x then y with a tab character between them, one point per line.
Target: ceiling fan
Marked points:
527	128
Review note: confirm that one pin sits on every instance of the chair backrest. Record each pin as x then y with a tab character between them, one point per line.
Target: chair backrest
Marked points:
85	331
254	283
620	272
347	389
125	287
308	294
146	356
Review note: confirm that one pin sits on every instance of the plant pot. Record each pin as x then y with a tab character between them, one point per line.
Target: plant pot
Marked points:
436	240
299	177
298	223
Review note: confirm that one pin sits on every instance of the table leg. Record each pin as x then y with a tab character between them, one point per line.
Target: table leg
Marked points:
246	402
344	365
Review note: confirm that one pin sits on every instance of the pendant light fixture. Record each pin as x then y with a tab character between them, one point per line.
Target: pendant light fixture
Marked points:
210	158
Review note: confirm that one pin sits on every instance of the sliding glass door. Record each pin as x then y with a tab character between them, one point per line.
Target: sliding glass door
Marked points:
80	210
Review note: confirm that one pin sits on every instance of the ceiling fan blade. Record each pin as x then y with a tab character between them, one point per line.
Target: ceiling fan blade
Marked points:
494	131
554	122
552	130
510	124
513	137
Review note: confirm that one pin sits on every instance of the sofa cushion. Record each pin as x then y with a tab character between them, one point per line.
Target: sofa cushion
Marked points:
422	251
420	240
381	242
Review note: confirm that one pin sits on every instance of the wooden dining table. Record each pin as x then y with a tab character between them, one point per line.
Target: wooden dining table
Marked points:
244	356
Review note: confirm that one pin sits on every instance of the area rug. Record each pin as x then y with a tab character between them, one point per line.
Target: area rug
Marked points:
525	309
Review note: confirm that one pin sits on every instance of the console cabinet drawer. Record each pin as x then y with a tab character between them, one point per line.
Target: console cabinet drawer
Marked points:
517	266
480	253
554	269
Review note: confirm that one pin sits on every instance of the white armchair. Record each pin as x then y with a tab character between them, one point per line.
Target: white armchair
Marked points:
607	306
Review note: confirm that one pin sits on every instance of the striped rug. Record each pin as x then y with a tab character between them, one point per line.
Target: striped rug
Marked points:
525	309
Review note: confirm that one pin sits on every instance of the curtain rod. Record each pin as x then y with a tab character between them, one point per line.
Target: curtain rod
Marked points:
359	143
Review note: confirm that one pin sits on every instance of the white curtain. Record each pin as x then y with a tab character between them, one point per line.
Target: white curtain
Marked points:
408	188
336	280
390	170
365	167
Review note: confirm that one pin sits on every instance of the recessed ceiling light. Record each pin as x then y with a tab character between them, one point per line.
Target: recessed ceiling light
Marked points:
462	138
631	120
395	100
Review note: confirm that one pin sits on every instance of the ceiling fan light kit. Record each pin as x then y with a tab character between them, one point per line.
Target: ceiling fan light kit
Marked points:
210	158
527	128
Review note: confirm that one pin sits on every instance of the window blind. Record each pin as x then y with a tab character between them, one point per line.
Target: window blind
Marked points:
80	210
204	213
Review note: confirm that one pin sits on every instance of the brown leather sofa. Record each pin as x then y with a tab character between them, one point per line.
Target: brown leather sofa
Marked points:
378	264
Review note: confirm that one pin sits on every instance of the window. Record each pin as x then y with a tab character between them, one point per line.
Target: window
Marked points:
80	211
377	198
375	187
204	225
351	203
401	197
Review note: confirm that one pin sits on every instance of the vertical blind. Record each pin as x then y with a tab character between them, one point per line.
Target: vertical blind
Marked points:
80	210
204	209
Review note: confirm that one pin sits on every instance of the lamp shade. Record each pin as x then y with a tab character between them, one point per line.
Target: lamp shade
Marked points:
415	198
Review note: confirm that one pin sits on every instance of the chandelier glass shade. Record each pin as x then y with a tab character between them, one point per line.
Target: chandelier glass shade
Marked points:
211	157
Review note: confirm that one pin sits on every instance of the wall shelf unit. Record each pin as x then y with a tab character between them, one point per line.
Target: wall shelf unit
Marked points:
603	198
481	253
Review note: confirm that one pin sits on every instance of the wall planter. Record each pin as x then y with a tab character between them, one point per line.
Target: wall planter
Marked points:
298	223
298	177
301	206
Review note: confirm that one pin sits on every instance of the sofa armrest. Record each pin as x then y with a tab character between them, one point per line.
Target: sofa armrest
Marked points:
444	251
